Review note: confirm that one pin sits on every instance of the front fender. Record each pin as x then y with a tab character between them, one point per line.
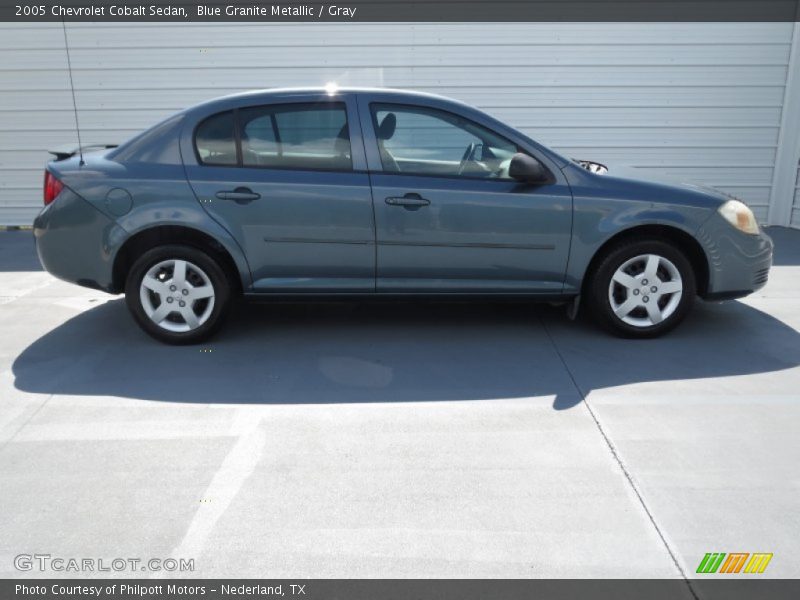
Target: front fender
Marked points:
598	223
606	207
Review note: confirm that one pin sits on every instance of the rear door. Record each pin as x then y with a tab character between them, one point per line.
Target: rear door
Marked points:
448	217
288	181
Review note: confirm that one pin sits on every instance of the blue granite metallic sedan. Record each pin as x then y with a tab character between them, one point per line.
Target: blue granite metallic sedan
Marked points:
363	193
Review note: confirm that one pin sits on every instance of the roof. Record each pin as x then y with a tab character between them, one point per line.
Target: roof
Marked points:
398	95
334	89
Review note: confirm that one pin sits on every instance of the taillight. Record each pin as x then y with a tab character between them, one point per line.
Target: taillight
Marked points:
52	187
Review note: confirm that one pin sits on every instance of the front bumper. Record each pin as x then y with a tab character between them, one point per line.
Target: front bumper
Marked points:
738	263
74	241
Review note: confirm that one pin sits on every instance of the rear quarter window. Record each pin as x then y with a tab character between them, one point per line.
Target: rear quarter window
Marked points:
215	140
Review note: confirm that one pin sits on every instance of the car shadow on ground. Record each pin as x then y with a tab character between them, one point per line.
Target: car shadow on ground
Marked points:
18	252
394	352
787	246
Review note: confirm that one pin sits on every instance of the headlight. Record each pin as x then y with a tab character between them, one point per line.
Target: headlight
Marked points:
740	216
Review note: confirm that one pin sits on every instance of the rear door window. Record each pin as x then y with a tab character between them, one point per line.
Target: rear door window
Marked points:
296	136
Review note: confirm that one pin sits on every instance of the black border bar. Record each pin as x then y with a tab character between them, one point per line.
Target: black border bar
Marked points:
735	588
514	11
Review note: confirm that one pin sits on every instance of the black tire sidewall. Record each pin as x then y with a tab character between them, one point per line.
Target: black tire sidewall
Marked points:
615	257
215	273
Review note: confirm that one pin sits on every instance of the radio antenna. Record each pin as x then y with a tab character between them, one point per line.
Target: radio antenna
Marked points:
72	89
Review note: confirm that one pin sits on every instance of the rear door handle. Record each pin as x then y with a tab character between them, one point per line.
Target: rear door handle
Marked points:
411	201
240	194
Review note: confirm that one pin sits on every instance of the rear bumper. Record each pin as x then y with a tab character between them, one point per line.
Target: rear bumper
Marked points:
74	241
739	263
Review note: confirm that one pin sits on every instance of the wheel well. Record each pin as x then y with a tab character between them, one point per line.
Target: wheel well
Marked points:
690	246
150	238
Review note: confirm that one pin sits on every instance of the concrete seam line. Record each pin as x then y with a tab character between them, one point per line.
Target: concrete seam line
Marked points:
13	436
615	455
53	387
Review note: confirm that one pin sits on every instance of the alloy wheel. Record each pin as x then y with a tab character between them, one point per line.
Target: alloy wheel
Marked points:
645	290
177	295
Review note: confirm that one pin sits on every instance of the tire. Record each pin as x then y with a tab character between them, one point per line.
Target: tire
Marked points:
626	299
181	281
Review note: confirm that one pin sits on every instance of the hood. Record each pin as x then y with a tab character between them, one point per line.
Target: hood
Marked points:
650	176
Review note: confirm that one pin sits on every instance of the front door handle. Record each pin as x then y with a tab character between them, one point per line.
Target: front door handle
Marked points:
240	194
411	201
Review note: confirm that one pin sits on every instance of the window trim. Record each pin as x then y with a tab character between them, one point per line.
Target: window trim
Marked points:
424	107
238	137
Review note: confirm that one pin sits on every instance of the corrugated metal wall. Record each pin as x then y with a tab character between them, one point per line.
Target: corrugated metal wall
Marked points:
697	101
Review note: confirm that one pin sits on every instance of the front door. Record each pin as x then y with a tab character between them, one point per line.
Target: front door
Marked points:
281	179
450	219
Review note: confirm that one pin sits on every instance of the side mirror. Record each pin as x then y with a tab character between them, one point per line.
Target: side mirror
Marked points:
527	169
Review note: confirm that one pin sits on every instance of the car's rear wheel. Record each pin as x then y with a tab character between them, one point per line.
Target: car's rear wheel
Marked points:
177	294
642	288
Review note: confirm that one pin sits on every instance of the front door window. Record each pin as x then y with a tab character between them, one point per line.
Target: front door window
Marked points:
418	140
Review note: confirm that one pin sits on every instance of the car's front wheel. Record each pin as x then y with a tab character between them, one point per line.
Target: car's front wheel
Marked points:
177	294
642	288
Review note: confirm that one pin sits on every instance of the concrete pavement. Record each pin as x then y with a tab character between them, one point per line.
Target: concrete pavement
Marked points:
402	440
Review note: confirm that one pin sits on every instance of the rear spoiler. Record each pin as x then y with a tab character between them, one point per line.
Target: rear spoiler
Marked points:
65	152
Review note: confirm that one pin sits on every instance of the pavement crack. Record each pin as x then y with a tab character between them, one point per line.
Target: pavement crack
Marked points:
618	459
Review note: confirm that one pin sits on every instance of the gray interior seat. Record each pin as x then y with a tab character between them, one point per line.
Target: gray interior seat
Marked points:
384	132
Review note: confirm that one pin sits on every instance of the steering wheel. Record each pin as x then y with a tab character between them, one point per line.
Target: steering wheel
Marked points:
468	156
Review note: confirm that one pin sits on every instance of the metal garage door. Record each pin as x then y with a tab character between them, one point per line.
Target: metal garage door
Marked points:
698	101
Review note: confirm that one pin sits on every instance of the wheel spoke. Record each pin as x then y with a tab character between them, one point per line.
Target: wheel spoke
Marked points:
651	269
670	287
188	315
625	280
203	291
626	307
155	285
161	312
179	272
653	312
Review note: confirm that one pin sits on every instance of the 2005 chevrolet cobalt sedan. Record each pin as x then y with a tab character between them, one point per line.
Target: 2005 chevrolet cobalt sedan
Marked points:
365	193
